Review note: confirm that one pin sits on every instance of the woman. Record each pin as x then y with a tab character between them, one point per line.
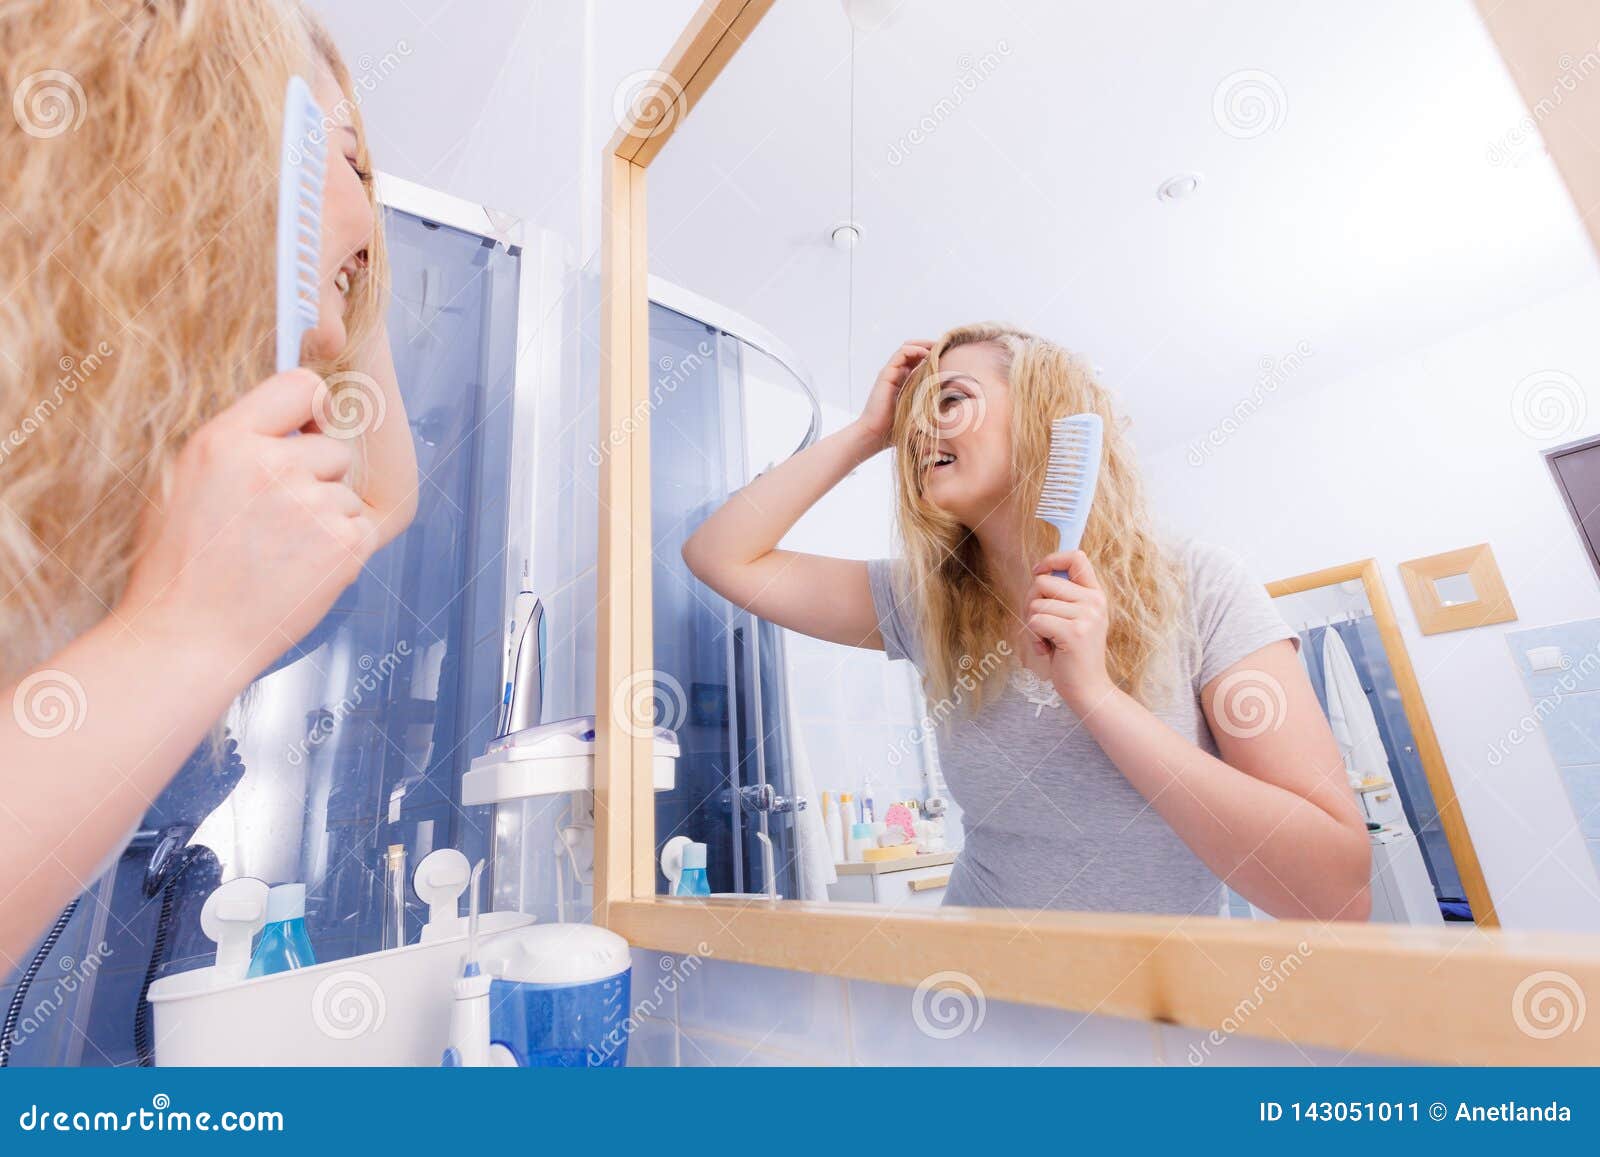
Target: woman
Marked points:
1122	738
173	515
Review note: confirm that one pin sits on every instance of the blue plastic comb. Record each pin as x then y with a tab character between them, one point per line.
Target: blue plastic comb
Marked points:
1070	476
302	166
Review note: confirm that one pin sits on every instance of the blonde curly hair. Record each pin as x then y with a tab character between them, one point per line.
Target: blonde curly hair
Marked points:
960	614
137	271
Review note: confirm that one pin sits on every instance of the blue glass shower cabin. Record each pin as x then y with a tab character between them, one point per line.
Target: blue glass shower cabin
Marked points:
358	738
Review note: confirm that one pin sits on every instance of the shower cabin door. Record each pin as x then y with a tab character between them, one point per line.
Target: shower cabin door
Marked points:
719	671
356	739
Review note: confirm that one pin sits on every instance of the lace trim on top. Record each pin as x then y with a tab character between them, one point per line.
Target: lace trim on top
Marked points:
1040	692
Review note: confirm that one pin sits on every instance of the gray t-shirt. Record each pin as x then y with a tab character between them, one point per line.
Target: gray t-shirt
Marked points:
1049	820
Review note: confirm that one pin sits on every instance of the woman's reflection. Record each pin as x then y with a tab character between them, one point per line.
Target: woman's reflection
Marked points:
1143	730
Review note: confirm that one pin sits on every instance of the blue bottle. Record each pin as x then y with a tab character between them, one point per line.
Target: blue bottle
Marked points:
692	880
284	943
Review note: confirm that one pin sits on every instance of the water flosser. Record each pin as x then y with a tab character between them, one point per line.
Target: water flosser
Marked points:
469	1011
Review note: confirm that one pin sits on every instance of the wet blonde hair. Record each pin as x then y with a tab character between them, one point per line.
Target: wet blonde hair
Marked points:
137	260
961	616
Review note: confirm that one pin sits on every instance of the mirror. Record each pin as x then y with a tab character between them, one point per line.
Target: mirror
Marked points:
1313	276
1456	589
1425	869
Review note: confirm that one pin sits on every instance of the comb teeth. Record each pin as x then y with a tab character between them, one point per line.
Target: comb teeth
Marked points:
303	167
1070	475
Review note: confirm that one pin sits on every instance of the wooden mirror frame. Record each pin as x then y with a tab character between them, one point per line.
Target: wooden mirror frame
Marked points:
1428	752
1440	995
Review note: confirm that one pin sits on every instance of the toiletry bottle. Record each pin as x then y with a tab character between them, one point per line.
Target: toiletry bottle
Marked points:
394	897
866	800
833	825
284	943
847	816
692	880
861	838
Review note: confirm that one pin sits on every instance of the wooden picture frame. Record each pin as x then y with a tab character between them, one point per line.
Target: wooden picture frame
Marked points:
1387	990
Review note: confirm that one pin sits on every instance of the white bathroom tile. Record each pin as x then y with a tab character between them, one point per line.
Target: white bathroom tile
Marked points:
797	1013
654	986
1182	1046
862	683
653	1011
891	1025
653	1045
714	1050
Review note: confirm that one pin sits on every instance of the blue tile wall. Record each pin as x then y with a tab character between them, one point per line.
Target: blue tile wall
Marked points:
1566	703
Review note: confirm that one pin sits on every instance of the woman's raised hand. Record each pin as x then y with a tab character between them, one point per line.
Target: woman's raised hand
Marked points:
877	416
258	530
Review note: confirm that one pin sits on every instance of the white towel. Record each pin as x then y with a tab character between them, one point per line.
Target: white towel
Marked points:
1350	716
814	869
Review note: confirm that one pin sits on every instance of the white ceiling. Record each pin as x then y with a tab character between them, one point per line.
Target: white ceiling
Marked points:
1385	211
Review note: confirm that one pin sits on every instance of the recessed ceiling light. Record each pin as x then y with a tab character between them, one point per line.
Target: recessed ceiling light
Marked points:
871	15
1179	187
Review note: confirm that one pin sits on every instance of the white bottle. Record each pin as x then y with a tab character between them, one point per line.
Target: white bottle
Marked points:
845	816
834	826
860	839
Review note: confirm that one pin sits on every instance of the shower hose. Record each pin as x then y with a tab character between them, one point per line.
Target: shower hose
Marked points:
8	1032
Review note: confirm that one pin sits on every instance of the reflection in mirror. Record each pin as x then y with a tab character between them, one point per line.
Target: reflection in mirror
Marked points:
1344	646
1455	589
1310	277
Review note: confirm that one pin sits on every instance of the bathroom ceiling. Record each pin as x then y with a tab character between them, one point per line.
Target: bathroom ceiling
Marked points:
1391	197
